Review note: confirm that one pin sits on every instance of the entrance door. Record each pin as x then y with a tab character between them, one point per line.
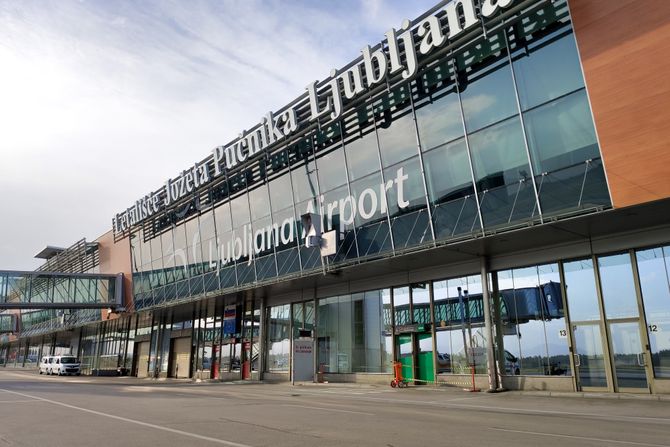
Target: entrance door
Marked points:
589	357
628	359
143	359
181	355
405	355
425	371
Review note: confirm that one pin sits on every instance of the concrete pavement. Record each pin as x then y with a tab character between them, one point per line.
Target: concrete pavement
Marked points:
110	411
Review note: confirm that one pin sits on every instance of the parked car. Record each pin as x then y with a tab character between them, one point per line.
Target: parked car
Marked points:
65	365
45	365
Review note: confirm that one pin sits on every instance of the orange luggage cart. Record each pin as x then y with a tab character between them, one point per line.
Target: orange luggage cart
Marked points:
398	381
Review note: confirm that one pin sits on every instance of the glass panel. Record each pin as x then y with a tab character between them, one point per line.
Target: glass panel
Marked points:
223	219
628	355
421	304
546	68
439	121
280	192
618	287
654	267
589	347
345	334
407	204
259	202
305	185
580	284
561	133
401	306
448	172
362	156
502	173
278	338
240	210
368	195
327	329
331	170
534	326
397	139
498	155
488	97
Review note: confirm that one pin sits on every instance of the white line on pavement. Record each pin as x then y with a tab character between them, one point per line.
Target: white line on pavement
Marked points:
585	438
132	421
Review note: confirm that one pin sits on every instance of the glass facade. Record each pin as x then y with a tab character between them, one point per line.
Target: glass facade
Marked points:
354	333
494	136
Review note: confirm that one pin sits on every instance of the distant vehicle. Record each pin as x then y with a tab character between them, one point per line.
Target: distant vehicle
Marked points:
45	365
443	362
511	364
65	365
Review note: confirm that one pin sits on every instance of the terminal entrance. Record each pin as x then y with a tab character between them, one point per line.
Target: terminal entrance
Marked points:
609	338
415	354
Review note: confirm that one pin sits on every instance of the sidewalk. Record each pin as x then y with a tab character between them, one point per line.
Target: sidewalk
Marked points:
134	381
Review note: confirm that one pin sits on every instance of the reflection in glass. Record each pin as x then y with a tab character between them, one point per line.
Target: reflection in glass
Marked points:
278	327
351	334
503	175
533	326
259	202
362	156
488	97
628	355
561	133
580	284
459	320
331	170
618	287
654	268
439	122
397	140
407	204
240	210
305	185
280	192
448	172
589	355
450	190
498	155
546	68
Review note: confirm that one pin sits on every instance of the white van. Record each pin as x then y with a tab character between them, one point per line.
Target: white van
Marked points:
45	364
64	365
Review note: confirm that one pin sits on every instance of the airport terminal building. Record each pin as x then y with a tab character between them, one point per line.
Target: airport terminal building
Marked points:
486	190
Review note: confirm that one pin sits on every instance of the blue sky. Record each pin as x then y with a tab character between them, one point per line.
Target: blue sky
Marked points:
102	101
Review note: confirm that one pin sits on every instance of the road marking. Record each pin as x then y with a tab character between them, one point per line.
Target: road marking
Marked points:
327	409
585	438
132	421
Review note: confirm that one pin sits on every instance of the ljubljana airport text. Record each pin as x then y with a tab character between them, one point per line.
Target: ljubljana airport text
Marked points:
397	54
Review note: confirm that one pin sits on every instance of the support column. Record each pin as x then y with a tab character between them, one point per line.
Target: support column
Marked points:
488	328
498	322
262	339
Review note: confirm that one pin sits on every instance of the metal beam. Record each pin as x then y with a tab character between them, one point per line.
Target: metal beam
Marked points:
46	306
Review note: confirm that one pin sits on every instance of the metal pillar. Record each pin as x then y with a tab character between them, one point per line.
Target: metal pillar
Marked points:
497	321
488	328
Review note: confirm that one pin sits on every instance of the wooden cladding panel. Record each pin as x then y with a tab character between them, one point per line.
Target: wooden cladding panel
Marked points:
625	50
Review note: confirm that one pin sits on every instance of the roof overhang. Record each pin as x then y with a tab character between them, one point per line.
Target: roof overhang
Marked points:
49	252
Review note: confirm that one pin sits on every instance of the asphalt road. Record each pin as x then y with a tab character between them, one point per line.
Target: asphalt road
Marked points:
87	411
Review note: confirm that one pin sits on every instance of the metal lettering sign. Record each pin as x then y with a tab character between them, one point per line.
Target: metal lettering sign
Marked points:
399	54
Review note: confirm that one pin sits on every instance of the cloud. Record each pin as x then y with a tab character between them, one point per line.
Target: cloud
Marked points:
101	102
